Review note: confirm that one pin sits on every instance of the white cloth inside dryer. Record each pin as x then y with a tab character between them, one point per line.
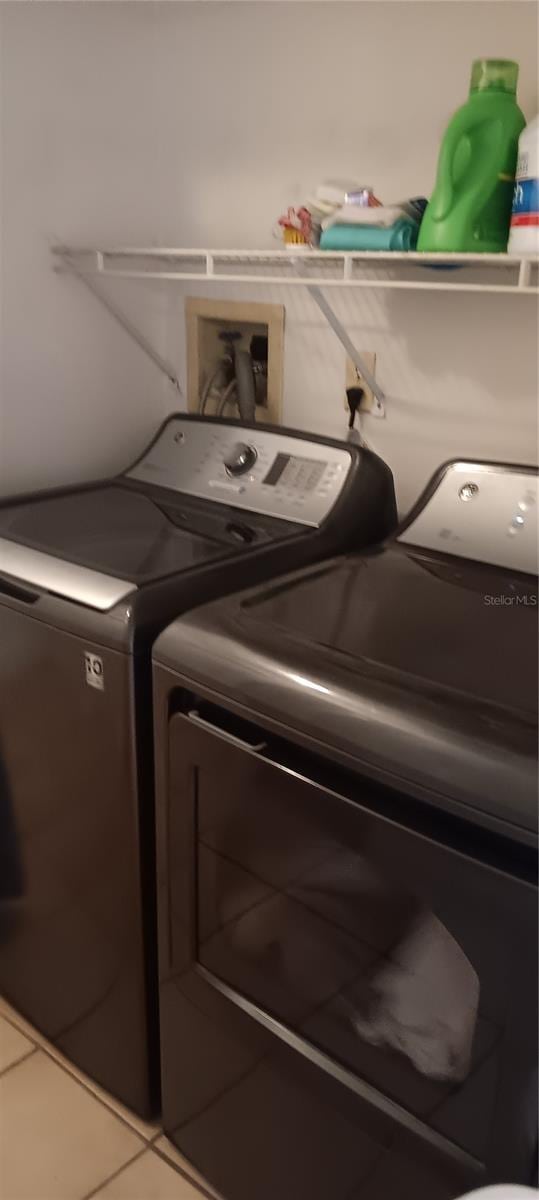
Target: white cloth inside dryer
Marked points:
424	1002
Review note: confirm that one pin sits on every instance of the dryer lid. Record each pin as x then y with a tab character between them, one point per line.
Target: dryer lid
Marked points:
401	660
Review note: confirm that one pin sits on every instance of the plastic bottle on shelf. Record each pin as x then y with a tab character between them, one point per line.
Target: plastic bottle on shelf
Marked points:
470	207
524	235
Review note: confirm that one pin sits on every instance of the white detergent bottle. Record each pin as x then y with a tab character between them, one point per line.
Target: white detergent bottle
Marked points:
524	234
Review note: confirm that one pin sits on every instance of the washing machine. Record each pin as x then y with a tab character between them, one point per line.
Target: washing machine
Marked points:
88	577
347	863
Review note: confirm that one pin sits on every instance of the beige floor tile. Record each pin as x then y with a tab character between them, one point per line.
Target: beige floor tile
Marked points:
146	1129
13	1044
166	1147
57	1141
148	1178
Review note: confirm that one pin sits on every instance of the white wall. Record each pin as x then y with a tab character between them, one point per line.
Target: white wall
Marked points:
196	124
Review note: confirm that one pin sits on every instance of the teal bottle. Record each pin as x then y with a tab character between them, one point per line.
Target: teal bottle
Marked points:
470	208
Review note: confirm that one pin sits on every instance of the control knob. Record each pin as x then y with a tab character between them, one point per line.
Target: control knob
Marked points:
240	458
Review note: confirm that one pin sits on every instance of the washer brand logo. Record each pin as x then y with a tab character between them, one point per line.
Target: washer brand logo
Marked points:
93	666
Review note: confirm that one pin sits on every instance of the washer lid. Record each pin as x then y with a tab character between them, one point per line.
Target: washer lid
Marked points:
122	531
69	580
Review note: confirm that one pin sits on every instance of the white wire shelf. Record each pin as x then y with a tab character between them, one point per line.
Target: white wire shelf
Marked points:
300	267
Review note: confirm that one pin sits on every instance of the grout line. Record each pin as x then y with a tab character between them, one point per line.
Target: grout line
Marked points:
69	1070
18	1061
30	1036
118	1171
183	1172
73	1071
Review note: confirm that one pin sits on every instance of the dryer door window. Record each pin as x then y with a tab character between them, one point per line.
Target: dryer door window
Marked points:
397	957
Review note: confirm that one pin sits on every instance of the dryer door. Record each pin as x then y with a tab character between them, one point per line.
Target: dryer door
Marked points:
348	1001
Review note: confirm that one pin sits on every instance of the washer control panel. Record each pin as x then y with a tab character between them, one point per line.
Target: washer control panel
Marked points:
258	470
483	511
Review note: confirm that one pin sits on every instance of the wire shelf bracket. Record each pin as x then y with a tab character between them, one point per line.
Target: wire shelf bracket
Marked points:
125	322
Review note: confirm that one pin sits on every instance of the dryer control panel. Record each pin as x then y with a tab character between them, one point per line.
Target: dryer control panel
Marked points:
483	511
259	470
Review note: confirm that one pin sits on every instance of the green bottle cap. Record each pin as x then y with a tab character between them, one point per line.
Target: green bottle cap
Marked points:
494	74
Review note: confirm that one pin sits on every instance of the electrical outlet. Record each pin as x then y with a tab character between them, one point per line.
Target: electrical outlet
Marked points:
353	379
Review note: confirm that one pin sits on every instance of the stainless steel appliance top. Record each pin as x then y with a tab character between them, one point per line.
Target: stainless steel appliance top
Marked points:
258	470
483	511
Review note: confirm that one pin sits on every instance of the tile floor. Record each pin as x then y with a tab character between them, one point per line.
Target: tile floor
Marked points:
63	1138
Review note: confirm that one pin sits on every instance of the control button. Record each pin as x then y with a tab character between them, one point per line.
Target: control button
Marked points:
516	524
240	458
468	491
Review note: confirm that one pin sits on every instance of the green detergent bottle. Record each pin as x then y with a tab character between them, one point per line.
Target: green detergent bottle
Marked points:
470	208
